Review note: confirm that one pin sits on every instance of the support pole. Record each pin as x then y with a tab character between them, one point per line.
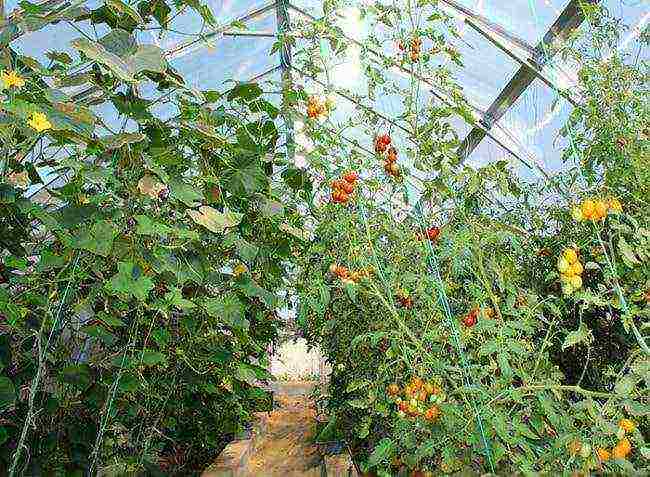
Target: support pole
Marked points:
284	27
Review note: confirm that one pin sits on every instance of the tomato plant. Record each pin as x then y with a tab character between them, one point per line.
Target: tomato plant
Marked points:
529	320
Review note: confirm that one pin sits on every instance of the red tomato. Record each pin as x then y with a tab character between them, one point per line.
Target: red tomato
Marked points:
351	177
433	233
348	188
469	320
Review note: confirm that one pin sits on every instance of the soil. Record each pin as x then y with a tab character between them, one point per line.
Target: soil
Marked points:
286	448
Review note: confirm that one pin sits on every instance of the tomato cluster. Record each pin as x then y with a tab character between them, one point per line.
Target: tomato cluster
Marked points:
414	48
382	146
317	107
431	233
381	143
471	318
596	209
417	399
342	189
621	450
570	270
347	276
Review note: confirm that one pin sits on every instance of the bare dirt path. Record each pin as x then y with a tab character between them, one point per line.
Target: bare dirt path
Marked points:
285	449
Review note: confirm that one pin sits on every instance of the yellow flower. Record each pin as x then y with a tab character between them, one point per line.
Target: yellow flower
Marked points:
39	122
627	425
11	78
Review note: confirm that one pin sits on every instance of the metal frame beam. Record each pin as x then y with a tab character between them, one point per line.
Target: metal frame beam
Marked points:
488	24
175	52
569	20
505	41
285	56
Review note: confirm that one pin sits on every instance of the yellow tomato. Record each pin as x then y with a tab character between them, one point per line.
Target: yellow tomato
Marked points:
603	454
628	425
576	281
615	205
576	213
587	209
622	449
576	269
570	255
600	210
563	265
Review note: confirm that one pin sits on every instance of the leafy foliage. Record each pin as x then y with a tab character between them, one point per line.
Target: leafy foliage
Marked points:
130	341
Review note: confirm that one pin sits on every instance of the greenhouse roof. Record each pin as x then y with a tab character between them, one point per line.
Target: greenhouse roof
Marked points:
520	91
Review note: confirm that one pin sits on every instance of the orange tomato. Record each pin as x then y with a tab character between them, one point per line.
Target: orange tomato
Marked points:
432	414
574	447
628	425
622	449
603	454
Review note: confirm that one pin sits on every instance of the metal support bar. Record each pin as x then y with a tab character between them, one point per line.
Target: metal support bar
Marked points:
488	25
570	19
487	29
174	53
263	34
284	27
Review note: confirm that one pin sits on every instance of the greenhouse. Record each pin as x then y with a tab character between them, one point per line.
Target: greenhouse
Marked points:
319	238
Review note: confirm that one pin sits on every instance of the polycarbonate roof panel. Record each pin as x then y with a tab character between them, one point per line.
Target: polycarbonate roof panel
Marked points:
529	128
527	19
240	58
635	14
535	120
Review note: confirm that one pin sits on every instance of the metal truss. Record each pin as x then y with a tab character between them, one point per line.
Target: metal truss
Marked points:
568	21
